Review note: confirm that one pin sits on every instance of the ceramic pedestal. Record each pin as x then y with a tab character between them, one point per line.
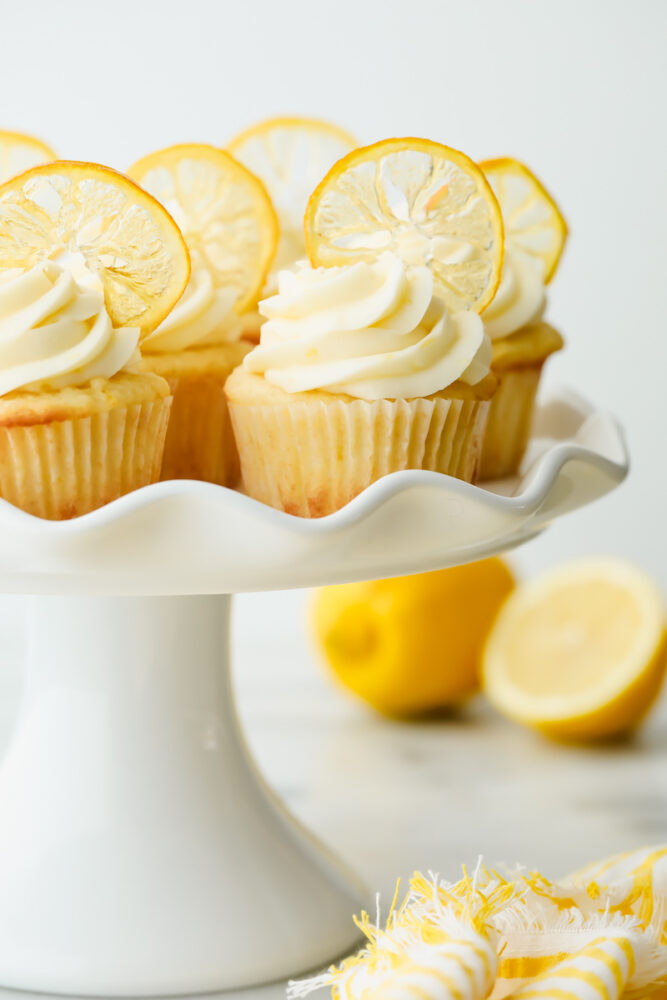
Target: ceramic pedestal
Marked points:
141	854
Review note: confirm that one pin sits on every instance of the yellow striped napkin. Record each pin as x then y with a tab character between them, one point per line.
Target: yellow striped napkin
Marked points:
600	971
599	935
438	942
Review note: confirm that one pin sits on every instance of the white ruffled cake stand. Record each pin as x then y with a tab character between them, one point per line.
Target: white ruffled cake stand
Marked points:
141	853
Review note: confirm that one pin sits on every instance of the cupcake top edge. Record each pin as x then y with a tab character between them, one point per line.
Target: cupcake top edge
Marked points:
369	330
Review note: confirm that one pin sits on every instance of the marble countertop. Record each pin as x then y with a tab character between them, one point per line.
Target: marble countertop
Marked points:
394	797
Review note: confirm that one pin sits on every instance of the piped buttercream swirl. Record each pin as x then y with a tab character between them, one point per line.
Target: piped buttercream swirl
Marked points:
369	330
203	316
520	299
55	330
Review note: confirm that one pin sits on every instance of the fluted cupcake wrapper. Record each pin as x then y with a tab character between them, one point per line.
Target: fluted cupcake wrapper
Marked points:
66	468
312	457
509	421
200	441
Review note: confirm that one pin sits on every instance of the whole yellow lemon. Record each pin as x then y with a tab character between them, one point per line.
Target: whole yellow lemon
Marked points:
411	644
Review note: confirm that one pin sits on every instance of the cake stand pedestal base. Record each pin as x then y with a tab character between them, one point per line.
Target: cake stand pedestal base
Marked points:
141	852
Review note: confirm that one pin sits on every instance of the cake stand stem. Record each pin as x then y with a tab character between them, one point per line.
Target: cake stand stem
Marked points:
140	851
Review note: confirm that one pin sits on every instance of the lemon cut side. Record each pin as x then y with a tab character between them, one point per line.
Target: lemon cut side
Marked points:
223	211
534	224
426	202
19	152
579	653
66	210
291	156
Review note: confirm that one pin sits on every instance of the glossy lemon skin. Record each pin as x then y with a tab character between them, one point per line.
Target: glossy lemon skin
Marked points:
412	644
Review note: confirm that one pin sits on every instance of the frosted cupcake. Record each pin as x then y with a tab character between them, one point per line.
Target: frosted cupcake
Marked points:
522	342
230	228
374	359
80	425
360	372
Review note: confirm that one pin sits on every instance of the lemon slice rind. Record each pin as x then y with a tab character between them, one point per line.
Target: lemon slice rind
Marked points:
224	211
122	233
427	202
534	224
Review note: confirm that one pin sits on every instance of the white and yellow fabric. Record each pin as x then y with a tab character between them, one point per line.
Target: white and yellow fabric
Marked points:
599	935
600	971
437	943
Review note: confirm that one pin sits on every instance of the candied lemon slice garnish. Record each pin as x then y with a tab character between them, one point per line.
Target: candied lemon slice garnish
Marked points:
98	218
223	210
20	152
426	202
291	156
533	222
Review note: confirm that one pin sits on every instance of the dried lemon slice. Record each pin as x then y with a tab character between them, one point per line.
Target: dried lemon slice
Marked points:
291	156
223	210
99	218
428	203
20	152
533	222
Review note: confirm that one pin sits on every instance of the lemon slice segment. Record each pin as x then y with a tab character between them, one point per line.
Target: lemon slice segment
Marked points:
93	216
426	202
580	652
291	156
223	210
533	221
19	152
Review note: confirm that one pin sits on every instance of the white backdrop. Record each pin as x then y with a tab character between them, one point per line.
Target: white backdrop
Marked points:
575	89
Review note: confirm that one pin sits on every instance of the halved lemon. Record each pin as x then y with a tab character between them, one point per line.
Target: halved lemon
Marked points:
19	152
428	203
88	212
291	156
580	652
533	221
223	211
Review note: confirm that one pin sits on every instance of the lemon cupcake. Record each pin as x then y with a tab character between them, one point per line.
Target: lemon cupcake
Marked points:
80	425
231	231
535	233
374	359
290	156
360	372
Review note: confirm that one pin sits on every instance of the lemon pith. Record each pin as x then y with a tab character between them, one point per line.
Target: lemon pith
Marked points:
580	652
223	210
426	202
534	224
103	217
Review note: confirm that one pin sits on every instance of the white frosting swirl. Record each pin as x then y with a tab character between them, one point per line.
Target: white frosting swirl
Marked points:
204	315
369	330
55	330
520	299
